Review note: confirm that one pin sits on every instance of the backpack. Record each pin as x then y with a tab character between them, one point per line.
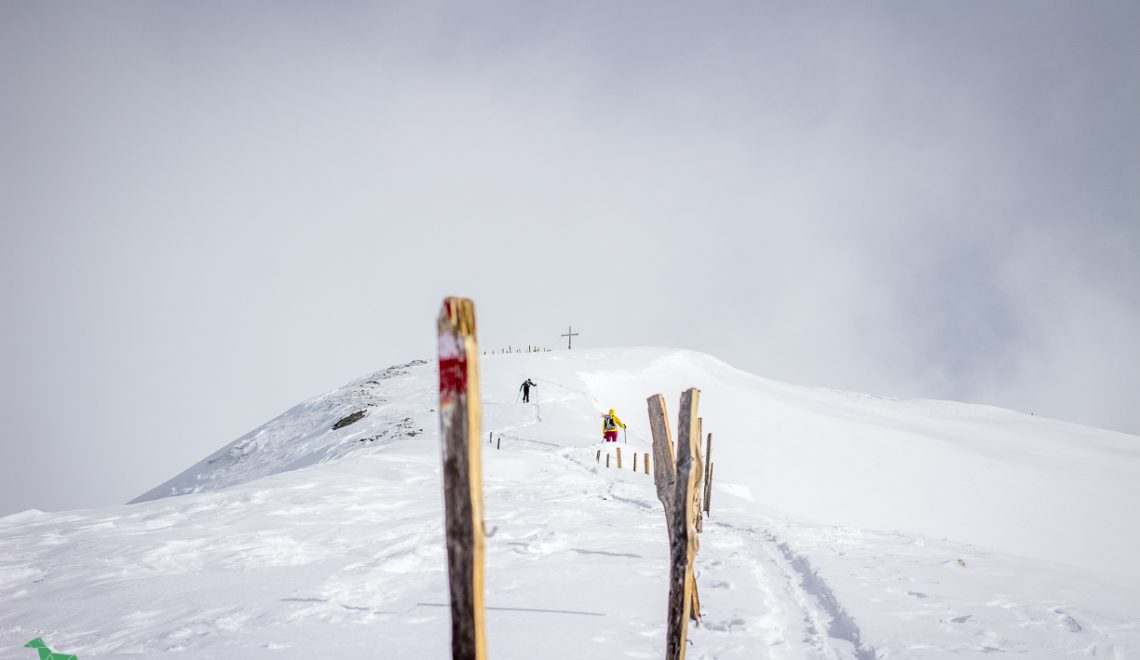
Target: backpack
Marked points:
609	423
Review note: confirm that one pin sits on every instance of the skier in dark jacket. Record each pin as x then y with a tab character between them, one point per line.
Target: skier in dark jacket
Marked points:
525	387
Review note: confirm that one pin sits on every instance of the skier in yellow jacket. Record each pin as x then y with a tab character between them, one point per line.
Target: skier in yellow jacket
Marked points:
610	424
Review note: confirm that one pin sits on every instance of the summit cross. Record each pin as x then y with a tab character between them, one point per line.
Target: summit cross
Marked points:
570	335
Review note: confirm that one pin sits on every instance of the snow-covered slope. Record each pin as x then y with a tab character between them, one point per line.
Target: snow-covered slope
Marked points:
843	526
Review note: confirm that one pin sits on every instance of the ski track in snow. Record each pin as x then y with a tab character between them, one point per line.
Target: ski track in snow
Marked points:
301	541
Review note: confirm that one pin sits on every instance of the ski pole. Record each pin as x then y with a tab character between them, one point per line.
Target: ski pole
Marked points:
624	436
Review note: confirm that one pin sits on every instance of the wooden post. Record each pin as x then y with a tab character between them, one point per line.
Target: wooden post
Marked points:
619	458
708	488
708	473
489	434
646	462
683	537
599	455
461	420
663	463
698	492
695	512
499	443
635	461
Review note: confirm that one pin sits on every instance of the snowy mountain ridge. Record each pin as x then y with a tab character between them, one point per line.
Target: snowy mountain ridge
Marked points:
842	526
307	434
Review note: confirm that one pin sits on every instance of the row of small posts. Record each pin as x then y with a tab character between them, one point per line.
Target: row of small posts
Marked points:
645	462
677	480
512	349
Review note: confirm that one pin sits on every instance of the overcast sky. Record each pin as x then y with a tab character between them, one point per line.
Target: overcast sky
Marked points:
211	211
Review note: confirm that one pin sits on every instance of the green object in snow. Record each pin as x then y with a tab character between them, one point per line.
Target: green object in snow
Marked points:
46	653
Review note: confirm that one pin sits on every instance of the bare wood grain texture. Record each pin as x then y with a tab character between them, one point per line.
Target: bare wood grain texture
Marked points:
683	537
708	472
461	421
663	463
698	492
695	518
695	605
708	490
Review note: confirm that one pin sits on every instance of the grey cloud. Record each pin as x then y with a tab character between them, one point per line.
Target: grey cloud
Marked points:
213	211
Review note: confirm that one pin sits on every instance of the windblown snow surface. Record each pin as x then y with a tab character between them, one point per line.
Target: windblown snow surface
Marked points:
842	526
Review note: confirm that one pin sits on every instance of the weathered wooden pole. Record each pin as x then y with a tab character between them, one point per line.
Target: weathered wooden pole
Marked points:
698	518
708	488
635	461
599	457
700	468
618	458
683	534
663	463
708	472
645	462
461	420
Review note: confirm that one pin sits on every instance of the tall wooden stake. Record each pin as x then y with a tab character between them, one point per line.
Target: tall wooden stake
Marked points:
695	511
708	491
708	473
679	513
699	466
663	463
461	420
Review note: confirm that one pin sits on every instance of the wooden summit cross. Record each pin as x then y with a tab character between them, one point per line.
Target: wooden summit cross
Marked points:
570	335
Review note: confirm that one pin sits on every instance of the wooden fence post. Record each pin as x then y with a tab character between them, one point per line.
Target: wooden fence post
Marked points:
635	461
646	462
461	420
697	517
708	473
619	458
708	488
663	464
599	457
700	468
683	538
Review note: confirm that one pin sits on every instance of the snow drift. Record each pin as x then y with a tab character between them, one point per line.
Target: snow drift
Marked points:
843	525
